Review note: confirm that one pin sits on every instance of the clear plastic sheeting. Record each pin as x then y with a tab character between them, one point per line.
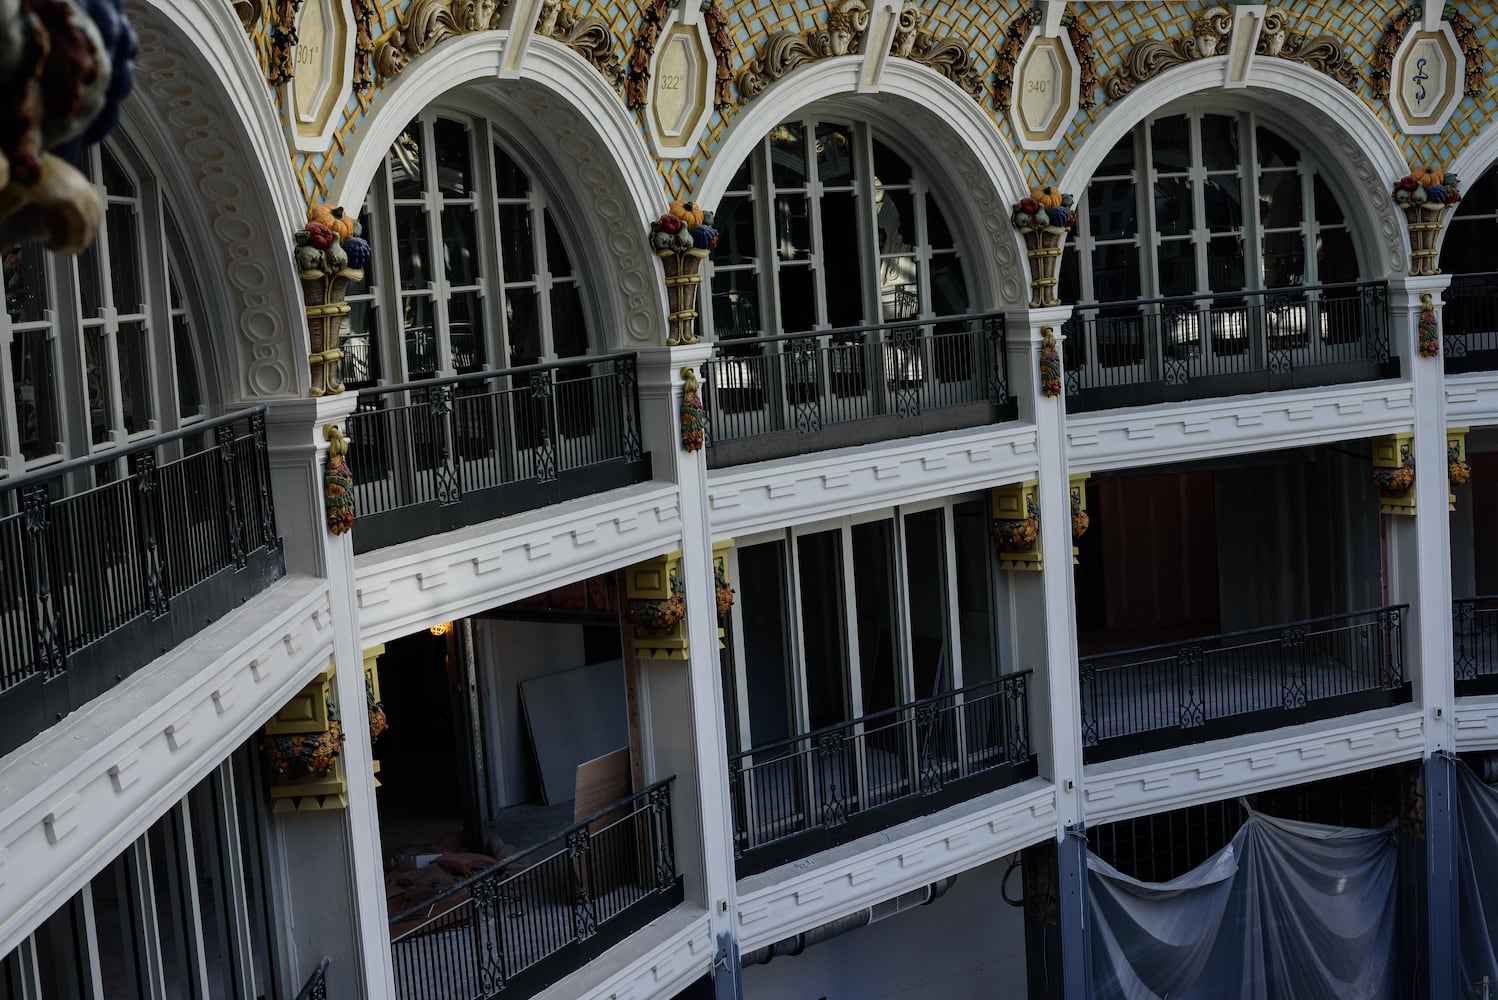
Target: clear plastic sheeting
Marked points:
1286	910
1477	888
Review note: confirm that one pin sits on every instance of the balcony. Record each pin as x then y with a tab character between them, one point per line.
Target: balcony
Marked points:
538	915
1474	633
444	453
1179	693
770	397
111	560
827	787
1469	320
1224	344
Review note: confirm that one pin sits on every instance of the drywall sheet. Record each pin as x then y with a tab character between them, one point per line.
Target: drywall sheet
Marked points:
574	716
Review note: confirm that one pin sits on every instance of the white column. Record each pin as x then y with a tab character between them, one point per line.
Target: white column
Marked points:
332	870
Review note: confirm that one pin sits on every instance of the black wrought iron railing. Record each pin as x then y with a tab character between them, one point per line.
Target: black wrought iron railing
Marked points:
1178	693
538	915
800	392
316	986
807	793
1469	322
1201	346
111	560
439	454
1474	642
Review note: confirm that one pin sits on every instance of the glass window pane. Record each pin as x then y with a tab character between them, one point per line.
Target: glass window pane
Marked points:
120	938
735	224
454	165
460	245
736	304
185	363
509	180
517	248
1279	199
835	154
100	381
889	166
970	526
27	296
926	592
1284	259
413	255
558	261
788	155
34	379
894	214
1115	273
1112	209
1225	263
1275	151
1177	267
762	604
949	286
1170	144
419	335
404	163
792	227
798	300
171	891
90	285
524	325
1328	211
1336	257
844	270
874	603
465	331
124	260
899	289
1223	198
1219	142
215	914
938	233
1173	214
360	342
136	401
820	560
569	331
116	180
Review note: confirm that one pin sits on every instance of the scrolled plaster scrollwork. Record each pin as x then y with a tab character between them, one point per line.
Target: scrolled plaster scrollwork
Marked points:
948	56
426	23
1209	37
590	37
1320	52
784	50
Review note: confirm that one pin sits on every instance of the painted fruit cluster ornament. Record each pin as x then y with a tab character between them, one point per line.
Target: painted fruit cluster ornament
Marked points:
1044	217
65	68
682	238
329	253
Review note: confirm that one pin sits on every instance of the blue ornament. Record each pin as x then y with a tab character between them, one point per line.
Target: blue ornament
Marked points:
703	237
358	252
1060	217
1436	194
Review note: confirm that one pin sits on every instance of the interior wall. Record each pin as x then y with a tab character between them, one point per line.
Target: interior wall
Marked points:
1483	494
967	945
509	652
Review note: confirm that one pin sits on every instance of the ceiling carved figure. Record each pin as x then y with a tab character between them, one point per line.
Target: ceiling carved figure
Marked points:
1320	52
427	22
1151	57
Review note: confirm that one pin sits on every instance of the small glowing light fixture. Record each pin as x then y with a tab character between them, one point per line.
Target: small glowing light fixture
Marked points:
441	628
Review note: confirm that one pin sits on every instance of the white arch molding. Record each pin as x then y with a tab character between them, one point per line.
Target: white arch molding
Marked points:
200	99
1350	143
572	121
954	140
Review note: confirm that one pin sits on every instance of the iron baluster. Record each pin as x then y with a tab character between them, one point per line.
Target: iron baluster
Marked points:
580	865
487	929
662	850
1193	707
1376	309
805	384
46	630
740	806
148	516
926	718
543	404
1088	700
262	480
828	760
1292	668
232	526
998	360
445	469
1019	737
626	380
316	987
904	370
1390	620
1463	619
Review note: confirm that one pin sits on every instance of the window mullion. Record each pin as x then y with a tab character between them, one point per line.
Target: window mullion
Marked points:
158	316
1149	236
431	196
814	224
1199	237
1310	227
490	270
767	236
391	295
1253	230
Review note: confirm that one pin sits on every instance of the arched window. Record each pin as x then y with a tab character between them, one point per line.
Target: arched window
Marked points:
826	225
1471	245
1168	213
97	351
471	268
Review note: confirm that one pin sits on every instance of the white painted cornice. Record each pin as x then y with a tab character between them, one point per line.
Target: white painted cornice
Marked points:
405	588
783	492
76	796
659	960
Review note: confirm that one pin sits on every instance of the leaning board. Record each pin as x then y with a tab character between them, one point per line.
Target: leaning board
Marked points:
573	716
